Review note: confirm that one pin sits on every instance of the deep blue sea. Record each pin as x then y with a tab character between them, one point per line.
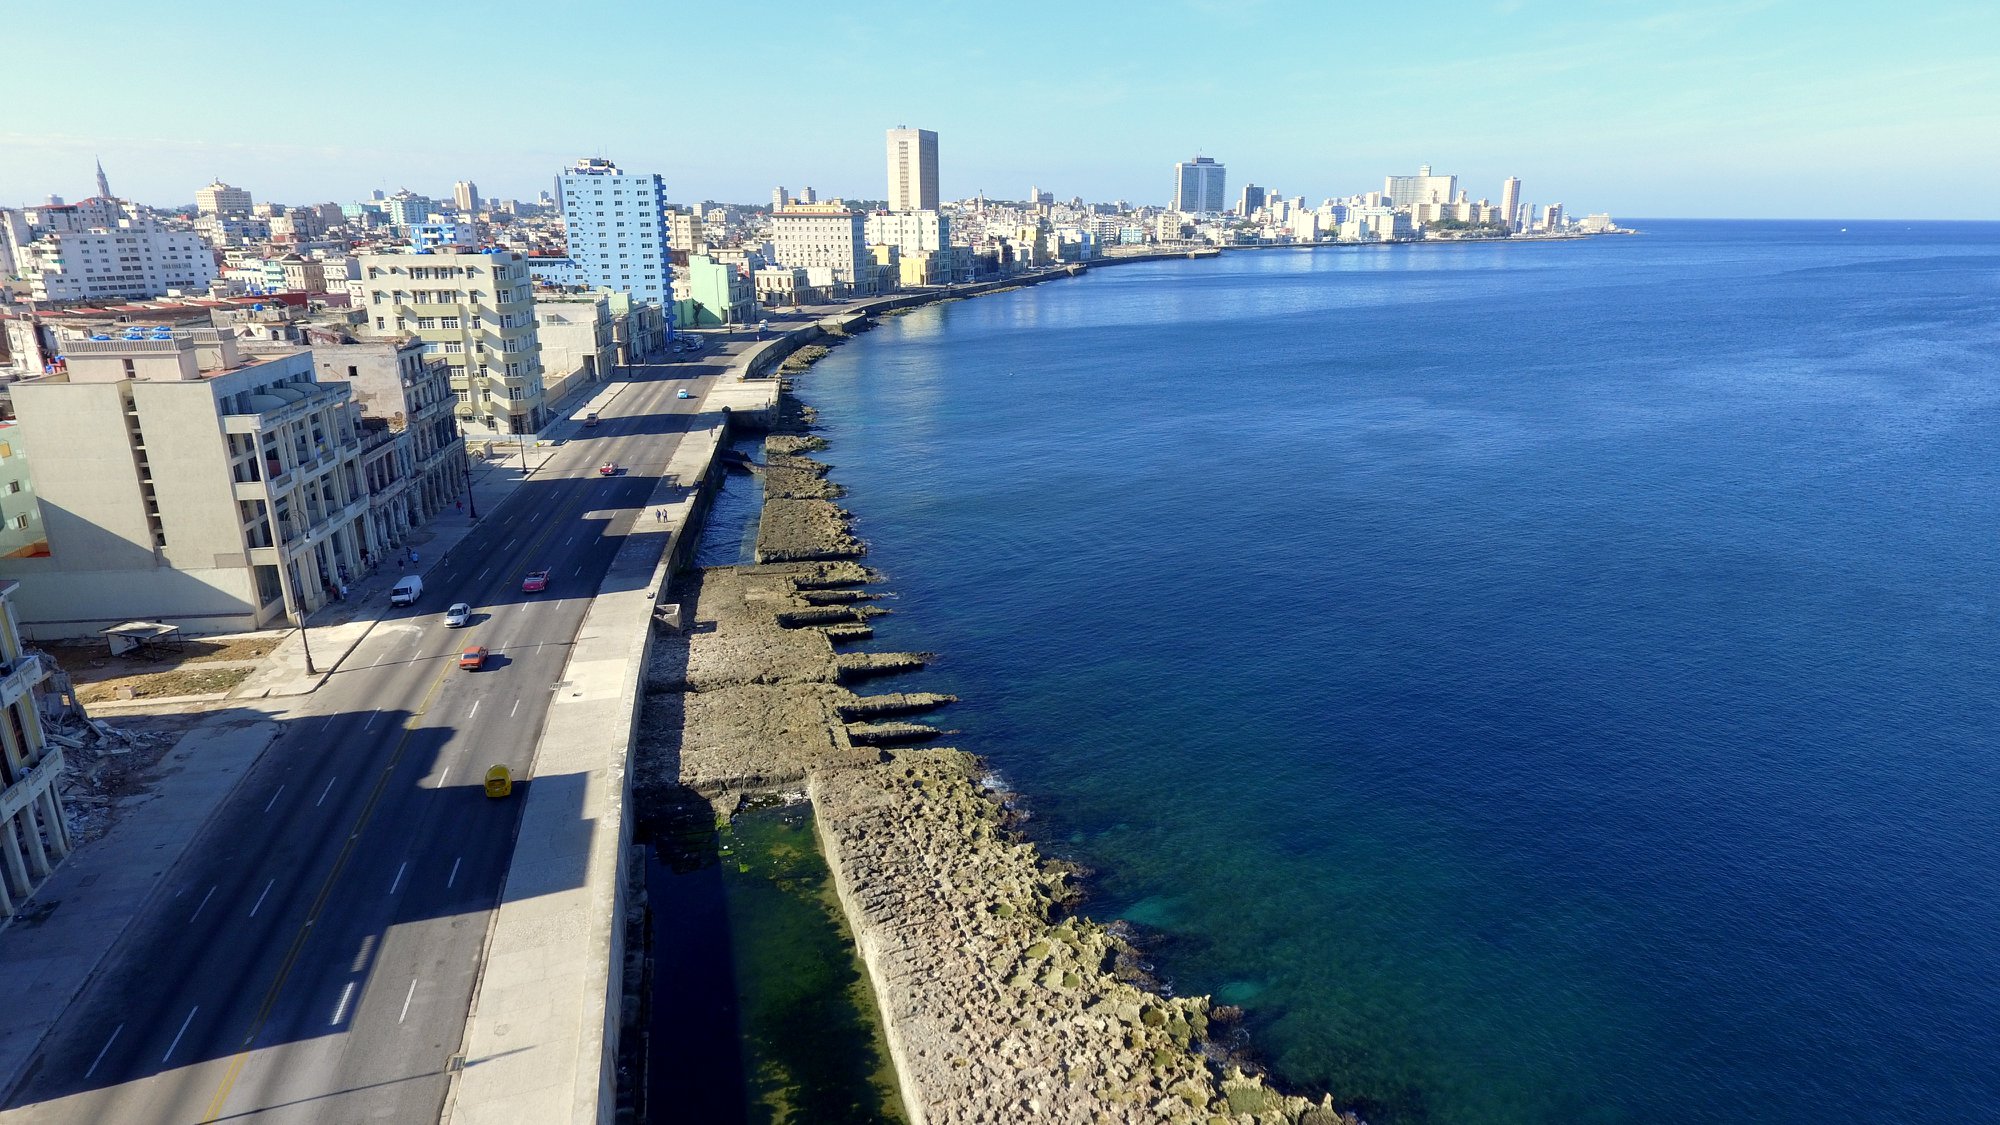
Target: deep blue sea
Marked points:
1541	683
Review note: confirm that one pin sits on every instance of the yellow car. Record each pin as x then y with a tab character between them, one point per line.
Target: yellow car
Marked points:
499	781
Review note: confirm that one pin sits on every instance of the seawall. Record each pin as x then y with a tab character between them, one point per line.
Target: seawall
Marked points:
541	1040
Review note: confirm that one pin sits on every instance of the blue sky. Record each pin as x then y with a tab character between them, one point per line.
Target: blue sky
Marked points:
1748	108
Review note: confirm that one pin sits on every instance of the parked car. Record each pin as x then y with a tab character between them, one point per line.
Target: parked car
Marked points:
473	658
457	615
608	469
535	582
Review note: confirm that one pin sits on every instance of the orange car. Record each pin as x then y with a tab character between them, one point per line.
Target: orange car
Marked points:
473	658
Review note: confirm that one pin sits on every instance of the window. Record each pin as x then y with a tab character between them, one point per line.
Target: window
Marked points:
426	322
454	348
447	322
13	486
18	522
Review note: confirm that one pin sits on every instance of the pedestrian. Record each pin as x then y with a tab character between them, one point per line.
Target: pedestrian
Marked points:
461	505
414	557
343	591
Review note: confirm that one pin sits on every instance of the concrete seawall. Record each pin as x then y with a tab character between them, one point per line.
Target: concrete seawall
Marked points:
541	1041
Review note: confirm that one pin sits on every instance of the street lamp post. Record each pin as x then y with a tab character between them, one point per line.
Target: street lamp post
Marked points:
299	608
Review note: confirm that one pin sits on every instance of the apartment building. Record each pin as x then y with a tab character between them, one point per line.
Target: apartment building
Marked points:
135	258
825	237
181	479
577	344
33	837
477	313
618	228
219	198
412	461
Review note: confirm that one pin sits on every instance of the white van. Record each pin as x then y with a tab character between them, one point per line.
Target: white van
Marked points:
407	591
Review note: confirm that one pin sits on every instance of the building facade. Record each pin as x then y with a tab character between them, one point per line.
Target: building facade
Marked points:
1407	192
413	462
913	170
826	237
135	258
1510	202
33	836
618	228
219	198
476	312
182	480
1200	186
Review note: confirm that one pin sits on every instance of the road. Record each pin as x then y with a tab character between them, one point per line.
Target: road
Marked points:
312	957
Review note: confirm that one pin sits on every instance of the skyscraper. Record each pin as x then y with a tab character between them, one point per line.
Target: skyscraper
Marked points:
465	196
618	228
1252	201
1510	202
1198	186
913	169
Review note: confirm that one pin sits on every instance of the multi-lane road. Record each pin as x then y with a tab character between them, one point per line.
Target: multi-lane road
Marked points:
313	956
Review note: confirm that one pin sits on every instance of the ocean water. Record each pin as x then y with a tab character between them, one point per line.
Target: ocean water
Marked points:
1538	682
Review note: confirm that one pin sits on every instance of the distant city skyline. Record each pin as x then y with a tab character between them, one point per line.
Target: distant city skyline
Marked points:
1744	108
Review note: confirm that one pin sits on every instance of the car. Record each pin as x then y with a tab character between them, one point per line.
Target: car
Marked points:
535	582
499	781
473	658
457	615
683	394
608	469
590	419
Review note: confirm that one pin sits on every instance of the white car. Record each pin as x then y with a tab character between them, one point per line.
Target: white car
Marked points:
457	615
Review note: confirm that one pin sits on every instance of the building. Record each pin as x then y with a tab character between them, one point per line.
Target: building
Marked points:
619	233
780	198
476	312
559	272
220	199
412	461
1407	192
33	836
1510	202
1199	187
684	233
135	258
465	197
576	338
825	236
913	169
182	480
1252	201
718	293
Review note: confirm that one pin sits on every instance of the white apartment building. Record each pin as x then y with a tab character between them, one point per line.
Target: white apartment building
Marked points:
1510	202
136	258
825	236
465	197
33	837
910	232
219	198
618	227
182	480
476	312
913	170
1409	191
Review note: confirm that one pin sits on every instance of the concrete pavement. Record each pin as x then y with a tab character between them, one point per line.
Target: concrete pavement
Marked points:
80	913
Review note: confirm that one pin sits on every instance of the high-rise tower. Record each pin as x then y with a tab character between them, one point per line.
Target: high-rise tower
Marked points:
1198	186
913	169
1510	202
618	229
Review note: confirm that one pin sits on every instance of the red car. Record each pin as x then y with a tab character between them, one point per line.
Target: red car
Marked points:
609	468
473	658
535	582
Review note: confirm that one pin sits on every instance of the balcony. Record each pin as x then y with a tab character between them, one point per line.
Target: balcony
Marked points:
18	677
15	797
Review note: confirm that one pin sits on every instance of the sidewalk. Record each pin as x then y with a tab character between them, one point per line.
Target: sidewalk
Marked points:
52	951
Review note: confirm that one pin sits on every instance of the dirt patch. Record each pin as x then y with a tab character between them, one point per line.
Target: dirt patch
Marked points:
89	662
162	685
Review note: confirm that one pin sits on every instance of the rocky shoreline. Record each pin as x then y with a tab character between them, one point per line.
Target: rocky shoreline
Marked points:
998	1005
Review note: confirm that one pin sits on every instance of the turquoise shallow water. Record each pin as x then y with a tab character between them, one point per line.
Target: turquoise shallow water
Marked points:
1542	683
